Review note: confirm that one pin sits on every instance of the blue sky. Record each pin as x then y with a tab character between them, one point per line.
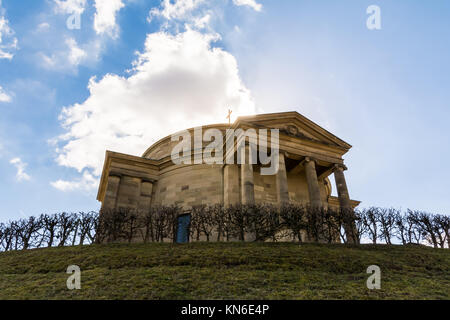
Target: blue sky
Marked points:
138	70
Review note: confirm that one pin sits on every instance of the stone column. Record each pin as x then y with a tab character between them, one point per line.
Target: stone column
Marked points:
230	184
313	183
112	189
247	185
344	203
282	183
145	198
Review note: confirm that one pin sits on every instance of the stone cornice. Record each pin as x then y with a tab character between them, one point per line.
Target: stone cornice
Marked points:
120	164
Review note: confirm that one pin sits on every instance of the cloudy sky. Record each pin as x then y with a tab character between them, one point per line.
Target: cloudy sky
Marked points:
78	77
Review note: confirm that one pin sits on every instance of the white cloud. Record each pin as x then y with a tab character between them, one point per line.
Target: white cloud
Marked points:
179	81
71	56
8	43
21	175
250	3
3	96
87	182
176	10
76	55
202	22
105	17
66	54
193	13
44	26
70	6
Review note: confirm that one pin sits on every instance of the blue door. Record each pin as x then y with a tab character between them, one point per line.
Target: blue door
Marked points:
183	228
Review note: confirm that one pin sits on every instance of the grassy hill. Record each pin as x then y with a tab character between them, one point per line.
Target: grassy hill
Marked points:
226	271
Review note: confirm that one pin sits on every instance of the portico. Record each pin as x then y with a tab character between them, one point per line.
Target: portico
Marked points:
308	155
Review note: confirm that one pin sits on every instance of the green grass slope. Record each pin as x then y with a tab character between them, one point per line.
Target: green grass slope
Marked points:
226	271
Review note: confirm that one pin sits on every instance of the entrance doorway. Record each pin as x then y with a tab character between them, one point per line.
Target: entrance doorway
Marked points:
184	222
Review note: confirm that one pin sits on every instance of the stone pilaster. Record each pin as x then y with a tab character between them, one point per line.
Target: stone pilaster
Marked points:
313	183
112	189
145	199
247	184
282	183
129	192
344	203
230	184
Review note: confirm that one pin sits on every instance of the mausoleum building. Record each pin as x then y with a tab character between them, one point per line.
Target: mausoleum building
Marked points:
308	156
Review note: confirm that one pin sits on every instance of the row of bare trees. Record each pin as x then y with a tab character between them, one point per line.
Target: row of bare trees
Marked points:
217	223
264	222
155	225
268	222
49	230
388	225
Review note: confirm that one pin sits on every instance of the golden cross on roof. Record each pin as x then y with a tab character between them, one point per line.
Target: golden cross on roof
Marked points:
229	116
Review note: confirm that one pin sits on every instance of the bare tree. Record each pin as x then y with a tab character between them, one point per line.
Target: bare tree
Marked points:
2	233
228	228
219	220
273	228
76	226
444	223
294	219
26	231
386	219
160	223
401	227
115	225
361	228
87	226
49	224
198	217
413	230
6	236
216	213
208	220
172	213
66	224
147	227
130	224
370	220
424	223
263	221
315	217
330	224
440	225
237	221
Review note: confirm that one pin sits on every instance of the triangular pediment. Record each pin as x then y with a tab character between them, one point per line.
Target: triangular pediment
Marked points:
295	125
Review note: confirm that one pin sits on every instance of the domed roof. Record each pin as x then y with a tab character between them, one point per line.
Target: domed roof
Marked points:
164	146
